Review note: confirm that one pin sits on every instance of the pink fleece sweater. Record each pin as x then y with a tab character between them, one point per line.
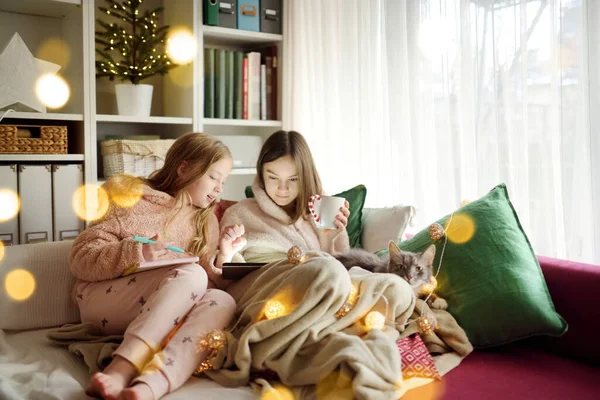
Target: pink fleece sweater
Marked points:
269	230
106	248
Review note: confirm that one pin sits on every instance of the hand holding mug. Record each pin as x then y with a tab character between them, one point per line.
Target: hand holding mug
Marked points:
329	212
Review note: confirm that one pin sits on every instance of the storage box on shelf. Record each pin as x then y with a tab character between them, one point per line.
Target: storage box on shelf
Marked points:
33	139
133	157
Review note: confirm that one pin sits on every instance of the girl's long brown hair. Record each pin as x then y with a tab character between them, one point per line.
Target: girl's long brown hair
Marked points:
198	151
292	143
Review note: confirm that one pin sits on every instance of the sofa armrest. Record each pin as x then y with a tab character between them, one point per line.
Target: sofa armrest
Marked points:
574	288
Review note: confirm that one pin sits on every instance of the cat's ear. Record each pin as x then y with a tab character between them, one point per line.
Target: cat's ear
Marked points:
393	249
429	254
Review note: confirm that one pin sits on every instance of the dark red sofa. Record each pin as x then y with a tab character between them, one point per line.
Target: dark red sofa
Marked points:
542	367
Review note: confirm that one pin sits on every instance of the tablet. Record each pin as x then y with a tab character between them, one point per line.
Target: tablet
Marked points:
236	271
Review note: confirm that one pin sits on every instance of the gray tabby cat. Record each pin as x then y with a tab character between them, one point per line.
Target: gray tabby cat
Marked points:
414	268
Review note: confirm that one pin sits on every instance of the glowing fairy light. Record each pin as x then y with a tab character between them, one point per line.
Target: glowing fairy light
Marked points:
9	204
375	320
353	295
430	286
275	309
19	284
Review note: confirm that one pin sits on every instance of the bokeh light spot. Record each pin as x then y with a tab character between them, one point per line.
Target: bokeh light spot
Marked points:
1	250
278	392
19	284
125	191
9	204
181	46
52	90
56	51
461	229
90	202
336	385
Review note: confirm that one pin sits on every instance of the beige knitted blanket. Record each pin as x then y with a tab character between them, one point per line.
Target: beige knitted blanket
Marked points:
316	353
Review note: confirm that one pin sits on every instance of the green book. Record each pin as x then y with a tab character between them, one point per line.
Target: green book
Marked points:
237	84
229	85
220	78
209	83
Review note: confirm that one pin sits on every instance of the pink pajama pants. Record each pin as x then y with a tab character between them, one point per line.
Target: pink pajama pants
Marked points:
147	308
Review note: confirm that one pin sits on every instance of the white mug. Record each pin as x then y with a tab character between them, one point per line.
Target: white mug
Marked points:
324	209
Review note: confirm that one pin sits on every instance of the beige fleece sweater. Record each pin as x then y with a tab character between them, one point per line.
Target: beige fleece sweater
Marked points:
106	248
270	232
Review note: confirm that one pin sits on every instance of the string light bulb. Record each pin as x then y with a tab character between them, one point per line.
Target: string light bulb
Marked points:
426	324
375	320
344	310
275	309
436	231
430	286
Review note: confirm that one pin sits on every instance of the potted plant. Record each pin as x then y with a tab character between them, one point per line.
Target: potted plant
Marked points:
132	48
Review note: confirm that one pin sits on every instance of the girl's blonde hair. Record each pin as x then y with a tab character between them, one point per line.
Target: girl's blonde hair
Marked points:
292	143
198	152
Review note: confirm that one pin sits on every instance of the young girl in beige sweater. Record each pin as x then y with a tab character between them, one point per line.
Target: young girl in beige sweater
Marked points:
162	313
278	216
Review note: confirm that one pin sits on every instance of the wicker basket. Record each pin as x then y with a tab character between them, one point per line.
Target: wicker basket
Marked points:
133	157
52	140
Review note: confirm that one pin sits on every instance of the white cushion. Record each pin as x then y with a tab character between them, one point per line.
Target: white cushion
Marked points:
51	303
380	225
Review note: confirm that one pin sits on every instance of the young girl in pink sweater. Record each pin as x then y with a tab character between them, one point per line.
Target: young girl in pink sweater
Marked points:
162	313
278	217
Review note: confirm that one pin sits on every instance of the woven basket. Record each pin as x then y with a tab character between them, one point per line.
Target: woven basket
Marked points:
52	140
133	157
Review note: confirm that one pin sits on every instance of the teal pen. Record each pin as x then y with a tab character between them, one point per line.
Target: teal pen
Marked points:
150	241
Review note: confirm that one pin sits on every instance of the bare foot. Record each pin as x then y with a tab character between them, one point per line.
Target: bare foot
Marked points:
109	384
139	391
105	386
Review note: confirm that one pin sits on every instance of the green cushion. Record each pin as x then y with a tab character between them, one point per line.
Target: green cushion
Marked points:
356	197
490	275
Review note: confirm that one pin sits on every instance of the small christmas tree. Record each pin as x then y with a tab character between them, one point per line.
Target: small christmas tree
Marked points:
134	49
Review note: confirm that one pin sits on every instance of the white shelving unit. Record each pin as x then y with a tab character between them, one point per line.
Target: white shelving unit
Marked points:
243	171
143	120
41	157
47	116
241	122
217	36
91	113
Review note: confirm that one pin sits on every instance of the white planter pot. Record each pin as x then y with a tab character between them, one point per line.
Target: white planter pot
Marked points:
134	99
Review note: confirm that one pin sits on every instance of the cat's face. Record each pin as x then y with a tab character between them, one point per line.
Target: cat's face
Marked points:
415	268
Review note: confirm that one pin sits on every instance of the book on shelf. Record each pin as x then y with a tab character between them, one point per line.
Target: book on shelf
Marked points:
253	85
245	89
209	82
263	92
240	85
229	85
220	81
270	57
237	83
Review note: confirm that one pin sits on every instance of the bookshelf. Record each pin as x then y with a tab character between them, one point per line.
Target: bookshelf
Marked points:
91	113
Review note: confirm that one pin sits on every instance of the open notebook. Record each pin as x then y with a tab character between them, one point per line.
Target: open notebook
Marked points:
150	265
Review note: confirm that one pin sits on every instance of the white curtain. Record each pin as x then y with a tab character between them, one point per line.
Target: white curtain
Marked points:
431	102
